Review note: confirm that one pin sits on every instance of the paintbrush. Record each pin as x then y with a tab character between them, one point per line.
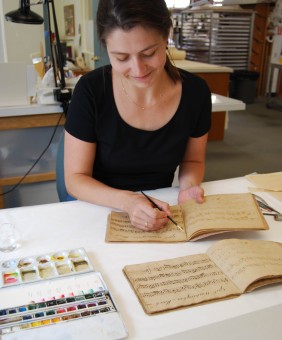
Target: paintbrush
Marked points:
156	206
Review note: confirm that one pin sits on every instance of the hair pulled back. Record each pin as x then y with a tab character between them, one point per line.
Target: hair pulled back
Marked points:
126	14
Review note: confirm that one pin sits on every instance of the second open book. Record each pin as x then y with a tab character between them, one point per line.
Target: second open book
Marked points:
218	213
230	268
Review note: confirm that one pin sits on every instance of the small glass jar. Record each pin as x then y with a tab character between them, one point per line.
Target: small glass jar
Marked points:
9	237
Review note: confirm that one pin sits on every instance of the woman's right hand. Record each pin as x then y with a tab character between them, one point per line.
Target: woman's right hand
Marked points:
143	215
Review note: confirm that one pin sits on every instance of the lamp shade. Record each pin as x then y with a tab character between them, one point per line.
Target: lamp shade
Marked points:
24	15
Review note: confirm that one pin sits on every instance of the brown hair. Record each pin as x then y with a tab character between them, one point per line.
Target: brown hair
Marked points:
126	14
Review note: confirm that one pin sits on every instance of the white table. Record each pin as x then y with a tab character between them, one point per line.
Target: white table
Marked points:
222	103
271	101
27	110
59	226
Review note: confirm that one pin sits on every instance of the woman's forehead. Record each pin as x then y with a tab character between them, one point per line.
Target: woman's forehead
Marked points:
137	38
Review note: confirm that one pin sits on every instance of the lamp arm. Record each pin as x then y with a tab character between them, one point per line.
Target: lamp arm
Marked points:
46	4
58	43
63	94
59	47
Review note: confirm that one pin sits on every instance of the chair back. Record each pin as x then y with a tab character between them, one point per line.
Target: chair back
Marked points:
60	177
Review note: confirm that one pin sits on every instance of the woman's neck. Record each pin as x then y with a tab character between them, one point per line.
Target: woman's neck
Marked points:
143	97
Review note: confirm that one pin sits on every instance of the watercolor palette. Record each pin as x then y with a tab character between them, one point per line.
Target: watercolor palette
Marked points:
70	304
44	267
51	312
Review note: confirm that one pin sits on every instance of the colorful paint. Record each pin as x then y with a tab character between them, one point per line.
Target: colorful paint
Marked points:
10	278
39	314
44	267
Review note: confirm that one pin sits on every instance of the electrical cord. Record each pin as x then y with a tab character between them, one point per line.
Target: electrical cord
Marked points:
65	107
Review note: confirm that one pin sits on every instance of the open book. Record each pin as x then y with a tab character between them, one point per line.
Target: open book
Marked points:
219	213
230	268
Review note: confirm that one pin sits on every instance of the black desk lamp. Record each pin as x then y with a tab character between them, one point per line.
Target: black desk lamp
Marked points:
24	15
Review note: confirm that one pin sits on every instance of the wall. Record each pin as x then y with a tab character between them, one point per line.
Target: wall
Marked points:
82	13
2	52
18	42
72	40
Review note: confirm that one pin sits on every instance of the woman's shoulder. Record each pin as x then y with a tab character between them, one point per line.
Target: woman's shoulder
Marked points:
95	81
98	74
100	71
189	76
193	81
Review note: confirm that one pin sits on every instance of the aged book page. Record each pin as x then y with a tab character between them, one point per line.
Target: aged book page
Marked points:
180	282
249	264
119	229
222	213
219	213
230	268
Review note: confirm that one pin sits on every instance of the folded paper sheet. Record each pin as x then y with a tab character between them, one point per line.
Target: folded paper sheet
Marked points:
271	182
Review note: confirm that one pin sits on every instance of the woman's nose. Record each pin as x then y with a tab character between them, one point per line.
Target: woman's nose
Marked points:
138	67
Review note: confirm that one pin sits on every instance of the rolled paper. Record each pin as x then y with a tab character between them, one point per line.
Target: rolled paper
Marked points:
176	54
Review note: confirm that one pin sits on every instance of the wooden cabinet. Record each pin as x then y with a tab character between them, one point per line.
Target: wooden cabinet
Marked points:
217	79
218	83
261	48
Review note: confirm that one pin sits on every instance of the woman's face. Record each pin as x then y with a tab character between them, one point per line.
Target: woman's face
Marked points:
138	54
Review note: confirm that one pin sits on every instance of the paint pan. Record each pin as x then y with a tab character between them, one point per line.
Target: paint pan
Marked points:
44	267
89	303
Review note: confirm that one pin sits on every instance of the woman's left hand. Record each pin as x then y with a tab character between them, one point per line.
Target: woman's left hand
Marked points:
195	192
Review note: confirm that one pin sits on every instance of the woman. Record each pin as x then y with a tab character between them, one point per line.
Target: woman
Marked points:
131	123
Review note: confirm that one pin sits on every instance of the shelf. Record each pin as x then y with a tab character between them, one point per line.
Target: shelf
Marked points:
219	37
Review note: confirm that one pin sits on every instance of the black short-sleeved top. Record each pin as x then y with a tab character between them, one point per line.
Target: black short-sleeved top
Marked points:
127	157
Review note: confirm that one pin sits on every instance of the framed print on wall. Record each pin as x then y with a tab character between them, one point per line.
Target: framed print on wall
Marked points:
69	20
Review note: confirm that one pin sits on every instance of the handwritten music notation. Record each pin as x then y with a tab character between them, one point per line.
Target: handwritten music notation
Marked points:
178	282
247	260
218	213
122	230
230	268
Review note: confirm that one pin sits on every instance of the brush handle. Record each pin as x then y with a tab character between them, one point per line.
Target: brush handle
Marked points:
156	206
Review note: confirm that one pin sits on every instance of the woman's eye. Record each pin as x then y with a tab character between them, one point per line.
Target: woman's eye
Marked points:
122	59
125	58
149	55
